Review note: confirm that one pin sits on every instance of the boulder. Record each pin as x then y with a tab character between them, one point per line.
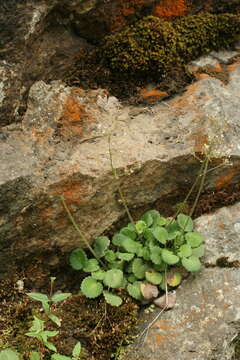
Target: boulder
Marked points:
62	149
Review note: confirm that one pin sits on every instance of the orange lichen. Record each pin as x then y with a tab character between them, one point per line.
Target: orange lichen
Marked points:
153	94
72	193
169	9
226	179
126	8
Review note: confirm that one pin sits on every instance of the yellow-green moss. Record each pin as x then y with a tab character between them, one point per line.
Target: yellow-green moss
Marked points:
153	45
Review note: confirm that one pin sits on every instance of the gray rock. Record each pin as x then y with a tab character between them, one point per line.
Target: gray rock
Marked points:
62	148
202	325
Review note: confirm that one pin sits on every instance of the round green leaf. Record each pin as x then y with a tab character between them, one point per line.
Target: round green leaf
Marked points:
130	245
139	268
134	290
146	253
148	235
131	278
113	278
151	217
162	221
78	259
141	226
118	238
125	256
185	222
8	354
160	234
91	288
101	245
98	275
198	251
112	299
110	256
91	265
153	277
129	233
117	264
194	239
185	251
155	255
169	258
191	264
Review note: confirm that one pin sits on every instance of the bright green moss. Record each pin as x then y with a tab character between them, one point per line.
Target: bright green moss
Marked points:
153	45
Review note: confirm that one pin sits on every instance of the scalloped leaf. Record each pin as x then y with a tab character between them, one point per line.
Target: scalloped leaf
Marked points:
169	258
130	245
117	264
161	221
110	256
185	222
101	244
194	239
91	288
125	256
118	238
185	251
78	259
98	275
141	226
191	264
153	277
113	278
148	235
156	255
112	299
128	232
198	251
8	354
91	266
131	278
160	234
139	268
134	290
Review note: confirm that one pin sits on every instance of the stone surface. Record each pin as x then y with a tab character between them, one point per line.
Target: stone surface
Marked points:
61	148
201	326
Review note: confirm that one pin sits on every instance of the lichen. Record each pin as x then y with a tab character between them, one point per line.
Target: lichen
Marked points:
154	46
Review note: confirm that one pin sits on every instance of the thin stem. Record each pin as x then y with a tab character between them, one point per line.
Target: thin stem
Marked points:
114	171
82	236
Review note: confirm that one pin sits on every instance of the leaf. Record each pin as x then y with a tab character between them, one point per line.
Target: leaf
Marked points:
49	333
148	235
185	250
38	296
91	288
160	234
156	255
38	324
110	256
98	275
174	278
91	266
149	291
113	278
185	222
139	268
60	297
198	251
129	233
151	217
162	221
34	355
117	264
140	226
194	239
166	302
55	319
118	239
112	299
77	350
169	258
192	263
134	290
130	245
8	354
146	253
125	256
50	346
153	277
78	259
131	278
60	357
101	244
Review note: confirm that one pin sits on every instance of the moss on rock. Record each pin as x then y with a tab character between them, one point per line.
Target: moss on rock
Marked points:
153	45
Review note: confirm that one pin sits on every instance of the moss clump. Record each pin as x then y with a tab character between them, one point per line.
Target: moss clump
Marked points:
153	45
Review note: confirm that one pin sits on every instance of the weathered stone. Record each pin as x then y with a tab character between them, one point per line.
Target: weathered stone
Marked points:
62	148
203	323
221	231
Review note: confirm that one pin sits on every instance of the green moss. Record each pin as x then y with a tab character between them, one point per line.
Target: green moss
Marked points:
153	45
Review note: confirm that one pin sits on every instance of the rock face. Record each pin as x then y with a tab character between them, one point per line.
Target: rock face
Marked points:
205	321
62	148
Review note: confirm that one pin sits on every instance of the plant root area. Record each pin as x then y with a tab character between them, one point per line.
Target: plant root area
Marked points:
103	330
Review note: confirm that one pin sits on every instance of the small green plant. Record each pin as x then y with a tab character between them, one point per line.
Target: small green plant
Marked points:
140	253
39	331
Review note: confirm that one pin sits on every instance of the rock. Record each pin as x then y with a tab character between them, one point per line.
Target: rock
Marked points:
203	323
61	148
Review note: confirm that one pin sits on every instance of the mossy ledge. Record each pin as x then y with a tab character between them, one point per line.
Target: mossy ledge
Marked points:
154	46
